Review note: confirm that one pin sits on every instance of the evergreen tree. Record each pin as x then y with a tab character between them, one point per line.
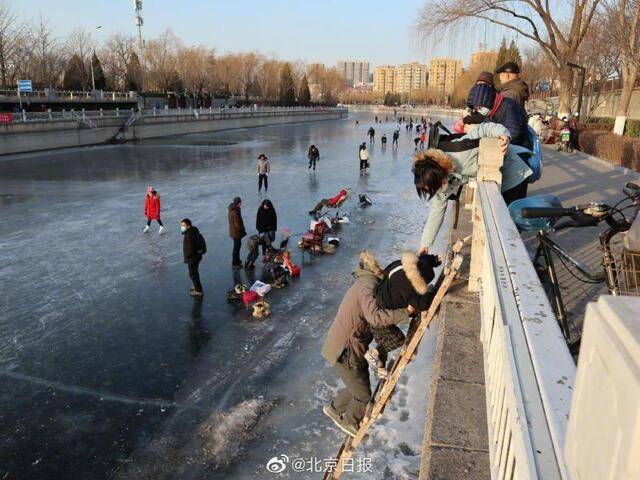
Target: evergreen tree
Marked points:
503	53
287	88
98	73
134	73
304	95
513	54
74	74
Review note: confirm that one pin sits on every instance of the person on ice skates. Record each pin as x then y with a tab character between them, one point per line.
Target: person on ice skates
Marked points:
152	209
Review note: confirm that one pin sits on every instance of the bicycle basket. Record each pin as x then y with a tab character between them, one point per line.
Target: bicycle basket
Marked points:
542	223
627	273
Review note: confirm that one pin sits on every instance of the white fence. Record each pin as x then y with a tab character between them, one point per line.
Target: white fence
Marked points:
209	113
529	373
603	439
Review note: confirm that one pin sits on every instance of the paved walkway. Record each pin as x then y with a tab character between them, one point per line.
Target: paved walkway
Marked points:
577	179
455	442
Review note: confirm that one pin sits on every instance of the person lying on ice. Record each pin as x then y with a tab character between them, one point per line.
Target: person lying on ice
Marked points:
403	282
348	340
330	202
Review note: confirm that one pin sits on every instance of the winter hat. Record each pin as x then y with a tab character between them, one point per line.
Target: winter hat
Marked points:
237	200
481	95
261	156
149	190
473	119
509	67
486	77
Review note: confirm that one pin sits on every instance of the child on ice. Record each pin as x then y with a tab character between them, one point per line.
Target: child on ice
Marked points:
152	209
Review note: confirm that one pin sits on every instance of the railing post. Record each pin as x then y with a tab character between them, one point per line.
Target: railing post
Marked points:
490	160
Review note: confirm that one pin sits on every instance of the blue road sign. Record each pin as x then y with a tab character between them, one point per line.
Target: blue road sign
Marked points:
25	86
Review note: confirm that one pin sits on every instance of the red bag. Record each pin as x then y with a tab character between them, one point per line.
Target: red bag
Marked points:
249	296
295	270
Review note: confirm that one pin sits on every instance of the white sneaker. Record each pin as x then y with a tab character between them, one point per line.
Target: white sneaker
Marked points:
146	229
160	230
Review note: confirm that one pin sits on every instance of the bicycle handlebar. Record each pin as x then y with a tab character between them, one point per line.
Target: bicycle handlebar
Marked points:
537	212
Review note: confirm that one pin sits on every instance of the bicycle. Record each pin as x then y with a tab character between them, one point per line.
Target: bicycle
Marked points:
620	272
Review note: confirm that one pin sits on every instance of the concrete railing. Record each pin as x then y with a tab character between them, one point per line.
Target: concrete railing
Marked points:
209	113
603	438
529	372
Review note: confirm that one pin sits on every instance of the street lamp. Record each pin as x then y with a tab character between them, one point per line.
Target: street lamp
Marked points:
93	53
581	74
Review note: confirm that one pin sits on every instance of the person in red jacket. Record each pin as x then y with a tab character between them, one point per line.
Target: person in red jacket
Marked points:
330	202
152	209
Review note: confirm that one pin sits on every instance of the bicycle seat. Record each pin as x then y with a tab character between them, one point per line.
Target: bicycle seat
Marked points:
528	224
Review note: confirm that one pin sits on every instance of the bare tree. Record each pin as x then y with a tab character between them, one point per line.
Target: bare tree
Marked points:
80	45
624	30
8	44
161	62
44	58
116	57
540	21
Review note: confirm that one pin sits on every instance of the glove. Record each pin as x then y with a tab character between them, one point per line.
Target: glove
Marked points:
433	260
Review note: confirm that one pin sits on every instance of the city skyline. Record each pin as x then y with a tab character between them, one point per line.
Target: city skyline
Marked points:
342	37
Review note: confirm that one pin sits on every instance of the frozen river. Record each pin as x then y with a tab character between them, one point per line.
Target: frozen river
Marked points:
110	370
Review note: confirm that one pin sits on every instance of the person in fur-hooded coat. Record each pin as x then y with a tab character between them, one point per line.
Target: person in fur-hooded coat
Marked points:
403	282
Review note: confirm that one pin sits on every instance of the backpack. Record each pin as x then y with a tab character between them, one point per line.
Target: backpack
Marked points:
201	245
535	160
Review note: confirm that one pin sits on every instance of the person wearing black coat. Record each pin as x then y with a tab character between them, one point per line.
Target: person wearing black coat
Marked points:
405	282
314	156
267	222
496	108
191	255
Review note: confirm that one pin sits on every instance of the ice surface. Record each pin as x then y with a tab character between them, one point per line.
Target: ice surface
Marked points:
110	370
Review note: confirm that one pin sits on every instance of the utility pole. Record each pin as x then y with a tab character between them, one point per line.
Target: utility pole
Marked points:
93	54
581	75
137	7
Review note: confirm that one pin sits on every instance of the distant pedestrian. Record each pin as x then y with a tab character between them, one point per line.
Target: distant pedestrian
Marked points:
314	156
372	134
363	155
152	209
266	222
423	137
357	123
264	167
396	135
415	142
193	247
236	230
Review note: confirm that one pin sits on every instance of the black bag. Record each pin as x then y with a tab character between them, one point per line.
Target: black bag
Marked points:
201	245
445	141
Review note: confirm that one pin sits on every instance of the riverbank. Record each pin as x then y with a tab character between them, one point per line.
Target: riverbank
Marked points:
84	131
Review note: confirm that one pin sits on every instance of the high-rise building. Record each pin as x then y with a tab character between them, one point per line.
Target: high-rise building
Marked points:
410	77
443	73
484	59
353	71
383	79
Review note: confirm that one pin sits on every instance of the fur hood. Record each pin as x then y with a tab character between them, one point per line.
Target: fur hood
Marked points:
368	261
410	266
438	157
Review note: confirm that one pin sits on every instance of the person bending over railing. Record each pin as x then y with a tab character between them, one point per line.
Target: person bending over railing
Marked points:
438	175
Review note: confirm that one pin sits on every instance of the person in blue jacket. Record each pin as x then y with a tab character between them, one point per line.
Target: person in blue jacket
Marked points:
438	175
484	99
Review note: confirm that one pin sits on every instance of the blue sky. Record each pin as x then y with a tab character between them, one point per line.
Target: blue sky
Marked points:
321	30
